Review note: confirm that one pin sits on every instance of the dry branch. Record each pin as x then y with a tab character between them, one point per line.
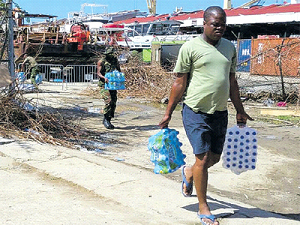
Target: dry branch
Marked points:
17	121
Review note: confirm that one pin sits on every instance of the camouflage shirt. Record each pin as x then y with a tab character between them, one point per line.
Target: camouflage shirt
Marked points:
31	61
109	63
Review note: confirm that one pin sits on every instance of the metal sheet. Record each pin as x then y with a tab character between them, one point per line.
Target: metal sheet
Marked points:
269	54
244	55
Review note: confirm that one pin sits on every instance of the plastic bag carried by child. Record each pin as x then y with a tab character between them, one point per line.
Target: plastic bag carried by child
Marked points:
165	151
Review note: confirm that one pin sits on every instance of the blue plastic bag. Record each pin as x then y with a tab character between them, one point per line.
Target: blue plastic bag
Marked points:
240	149
165	151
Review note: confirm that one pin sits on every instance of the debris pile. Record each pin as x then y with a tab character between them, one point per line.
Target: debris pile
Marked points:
260	88
20	121
148	81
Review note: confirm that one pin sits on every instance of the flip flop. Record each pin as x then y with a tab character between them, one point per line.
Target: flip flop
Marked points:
189	186
210	217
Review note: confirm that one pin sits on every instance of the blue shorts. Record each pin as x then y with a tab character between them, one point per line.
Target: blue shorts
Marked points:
206	132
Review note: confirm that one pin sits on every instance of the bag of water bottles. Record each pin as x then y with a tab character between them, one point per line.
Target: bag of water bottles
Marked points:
21	77
240	149
38	79
165	151
116	80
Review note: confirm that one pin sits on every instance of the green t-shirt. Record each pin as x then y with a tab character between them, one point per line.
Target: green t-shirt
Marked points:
209	68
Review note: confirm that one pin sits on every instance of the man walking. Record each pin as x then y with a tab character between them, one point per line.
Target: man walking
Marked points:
32	67
108	63
205	78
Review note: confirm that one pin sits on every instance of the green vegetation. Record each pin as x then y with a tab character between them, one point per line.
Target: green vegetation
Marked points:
280	120
292	119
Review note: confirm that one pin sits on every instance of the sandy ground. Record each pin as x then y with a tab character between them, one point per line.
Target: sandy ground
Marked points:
273	186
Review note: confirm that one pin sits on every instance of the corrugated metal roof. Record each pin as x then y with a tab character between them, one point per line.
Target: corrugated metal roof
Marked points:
255	10
258	10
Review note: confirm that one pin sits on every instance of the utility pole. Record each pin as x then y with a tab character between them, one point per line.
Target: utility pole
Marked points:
11	61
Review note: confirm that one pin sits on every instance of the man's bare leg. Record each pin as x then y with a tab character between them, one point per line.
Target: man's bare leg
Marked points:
200	176
189	178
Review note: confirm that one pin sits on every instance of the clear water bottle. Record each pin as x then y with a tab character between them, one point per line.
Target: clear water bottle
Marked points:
165	151
113	85
21	77
122	86
113	76
109	76
117	76
122	81
116	80
38	79
240	149
122	77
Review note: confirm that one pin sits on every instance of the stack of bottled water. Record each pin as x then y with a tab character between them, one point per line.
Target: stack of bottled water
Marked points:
165	151
21	77
116	80
240	149
38	79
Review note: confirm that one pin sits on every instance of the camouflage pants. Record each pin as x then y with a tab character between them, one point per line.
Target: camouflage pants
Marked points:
33	72
110	100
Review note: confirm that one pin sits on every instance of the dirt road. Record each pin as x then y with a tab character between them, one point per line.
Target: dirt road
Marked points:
274	186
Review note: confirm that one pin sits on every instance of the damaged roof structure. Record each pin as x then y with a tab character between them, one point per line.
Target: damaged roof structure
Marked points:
282	20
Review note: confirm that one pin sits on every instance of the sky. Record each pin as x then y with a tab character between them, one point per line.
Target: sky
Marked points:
61	8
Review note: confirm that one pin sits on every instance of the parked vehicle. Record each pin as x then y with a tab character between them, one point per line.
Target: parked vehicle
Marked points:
140	35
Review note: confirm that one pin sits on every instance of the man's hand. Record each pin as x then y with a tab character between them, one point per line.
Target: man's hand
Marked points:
164	122
241	118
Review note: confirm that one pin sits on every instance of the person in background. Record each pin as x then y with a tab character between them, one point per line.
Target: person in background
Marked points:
108	63
32	67
205	78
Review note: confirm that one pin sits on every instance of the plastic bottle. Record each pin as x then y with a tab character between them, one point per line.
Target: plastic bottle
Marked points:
165	151
21	77
38	79
240	149
116	80
108	76
117	76
107	85
122	86
122	77
112	76
122	81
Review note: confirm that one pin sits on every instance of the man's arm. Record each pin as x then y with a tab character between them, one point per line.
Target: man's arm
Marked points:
177	91
99	66
23	64
241	116
118	64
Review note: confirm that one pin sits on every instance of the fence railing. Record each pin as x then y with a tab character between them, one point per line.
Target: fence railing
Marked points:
58	73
